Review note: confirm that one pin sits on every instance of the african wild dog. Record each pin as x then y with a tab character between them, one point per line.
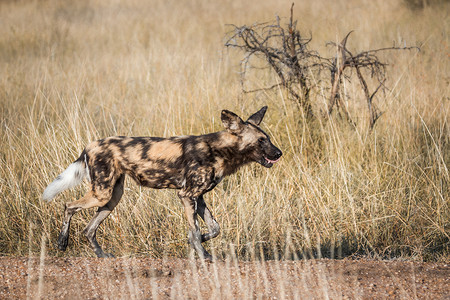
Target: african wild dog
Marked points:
192	164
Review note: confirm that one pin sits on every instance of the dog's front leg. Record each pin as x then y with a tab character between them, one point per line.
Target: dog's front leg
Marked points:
195	236
211	223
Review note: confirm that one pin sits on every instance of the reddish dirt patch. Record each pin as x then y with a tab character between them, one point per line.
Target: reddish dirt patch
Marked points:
137	278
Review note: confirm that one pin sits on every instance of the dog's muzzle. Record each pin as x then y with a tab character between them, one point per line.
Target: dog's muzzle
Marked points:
269	161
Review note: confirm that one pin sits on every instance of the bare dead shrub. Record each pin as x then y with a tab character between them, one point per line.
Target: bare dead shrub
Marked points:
285	51
300	70
367	61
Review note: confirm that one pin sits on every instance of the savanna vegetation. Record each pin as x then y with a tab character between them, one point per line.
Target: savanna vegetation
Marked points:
75	71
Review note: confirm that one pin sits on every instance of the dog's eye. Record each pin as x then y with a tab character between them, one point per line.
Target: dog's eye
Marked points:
261	140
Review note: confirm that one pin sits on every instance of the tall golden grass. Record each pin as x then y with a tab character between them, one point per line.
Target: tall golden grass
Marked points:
75	71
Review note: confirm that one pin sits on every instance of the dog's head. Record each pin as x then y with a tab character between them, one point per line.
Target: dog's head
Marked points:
254	143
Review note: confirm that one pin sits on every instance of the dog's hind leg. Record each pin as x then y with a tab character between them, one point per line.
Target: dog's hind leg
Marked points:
69	210
211	223
91	199
195	236
102	213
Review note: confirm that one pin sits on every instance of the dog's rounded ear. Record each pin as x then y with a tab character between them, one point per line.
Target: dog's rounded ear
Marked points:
232	122
257	117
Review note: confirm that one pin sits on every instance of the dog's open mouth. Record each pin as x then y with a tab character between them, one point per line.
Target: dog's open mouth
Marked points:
271	161
267	162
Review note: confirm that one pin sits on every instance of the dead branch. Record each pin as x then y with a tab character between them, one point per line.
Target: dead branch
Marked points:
284	51
299	69
366	60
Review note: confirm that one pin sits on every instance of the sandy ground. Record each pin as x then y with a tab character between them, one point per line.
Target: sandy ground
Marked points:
145	278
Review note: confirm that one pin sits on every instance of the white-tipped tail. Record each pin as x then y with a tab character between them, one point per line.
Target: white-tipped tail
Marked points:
72	176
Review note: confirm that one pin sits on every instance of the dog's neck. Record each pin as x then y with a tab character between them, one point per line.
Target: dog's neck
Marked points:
228	154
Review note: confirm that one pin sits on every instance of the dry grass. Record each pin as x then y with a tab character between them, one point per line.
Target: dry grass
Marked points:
75	71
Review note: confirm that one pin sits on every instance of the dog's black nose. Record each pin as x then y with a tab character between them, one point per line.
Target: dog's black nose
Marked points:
278	154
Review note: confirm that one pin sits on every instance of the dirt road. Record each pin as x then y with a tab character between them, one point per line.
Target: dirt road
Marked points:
145	278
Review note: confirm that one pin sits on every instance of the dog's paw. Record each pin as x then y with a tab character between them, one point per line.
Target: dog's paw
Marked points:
208	258
62	242
101	254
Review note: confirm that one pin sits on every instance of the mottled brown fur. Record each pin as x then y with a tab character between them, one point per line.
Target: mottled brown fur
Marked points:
192	164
